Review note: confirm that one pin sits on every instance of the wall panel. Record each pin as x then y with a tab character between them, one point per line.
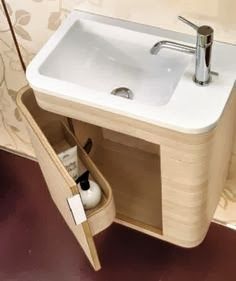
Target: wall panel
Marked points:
13	135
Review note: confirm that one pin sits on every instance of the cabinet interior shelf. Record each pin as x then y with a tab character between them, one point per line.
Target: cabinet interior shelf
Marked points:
132	167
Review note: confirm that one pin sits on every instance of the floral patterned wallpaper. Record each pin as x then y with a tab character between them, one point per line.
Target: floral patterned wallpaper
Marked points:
13	135
33	23
35	20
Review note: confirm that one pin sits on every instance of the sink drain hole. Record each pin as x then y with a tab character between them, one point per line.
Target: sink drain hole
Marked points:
123	92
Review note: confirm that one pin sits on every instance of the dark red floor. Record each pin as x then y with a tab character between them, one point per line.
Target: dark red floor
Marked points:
35	244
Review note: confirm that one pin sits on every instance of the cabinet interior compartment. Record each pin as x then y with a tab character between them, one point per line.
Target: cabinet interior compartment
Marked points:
58	135
132	168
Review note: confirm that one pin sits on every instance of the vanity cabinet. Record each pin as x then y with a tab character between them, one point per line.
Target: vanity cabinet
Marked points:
160	182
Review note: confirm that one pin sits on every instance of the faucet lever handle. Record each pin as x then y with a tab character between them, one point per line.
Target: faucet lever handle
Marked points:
194	26
205	33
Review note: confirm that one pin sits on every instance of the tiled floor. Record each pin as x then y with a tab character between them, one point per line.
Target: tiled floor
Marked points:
35	244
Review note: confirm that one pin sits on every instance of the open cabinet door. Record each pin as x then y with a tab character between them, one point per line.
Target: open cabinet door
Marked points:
61	186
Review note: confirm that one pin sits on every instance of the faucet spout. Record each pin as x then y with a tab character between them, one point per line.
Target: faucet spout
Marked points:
202	51
173	46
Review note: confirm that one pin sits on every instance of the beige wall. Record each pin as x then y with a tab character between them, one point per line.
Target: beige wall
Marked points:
35	20
163	13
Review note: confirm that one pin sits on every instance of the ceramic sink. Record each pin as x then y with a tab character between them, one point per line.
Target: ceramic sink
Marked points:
90	56
99	61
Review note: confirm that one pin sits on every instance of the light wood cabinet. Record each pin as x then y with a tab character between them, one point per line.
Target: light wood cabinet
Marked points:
160	182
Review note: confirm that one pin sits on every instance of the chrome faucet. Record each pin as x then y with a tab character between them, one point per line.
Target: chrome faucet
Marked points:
202	51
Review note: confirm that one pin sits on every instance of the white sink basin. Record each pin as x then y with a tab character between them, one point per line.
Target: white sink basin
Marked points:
89	56
94	57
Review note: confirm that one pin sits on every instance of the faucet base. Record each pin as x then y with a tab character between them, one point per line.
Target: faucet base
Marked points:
201	83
